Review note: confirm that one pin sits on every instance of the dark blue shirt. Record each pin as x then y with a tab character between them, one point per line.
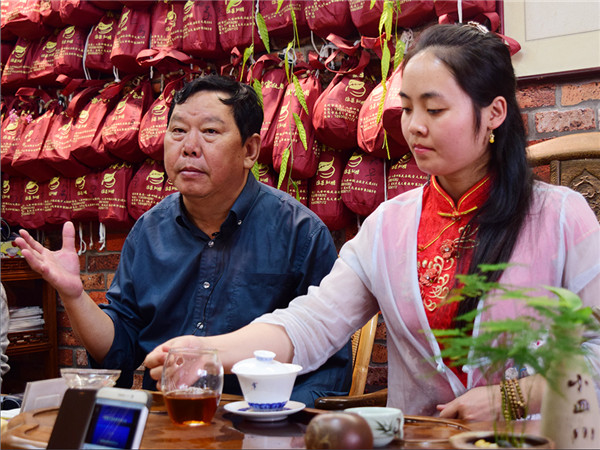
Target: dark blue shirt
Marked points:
174	280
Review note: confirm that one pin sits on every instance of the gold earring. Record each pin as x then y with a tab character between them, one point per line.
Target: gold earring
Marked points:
492	138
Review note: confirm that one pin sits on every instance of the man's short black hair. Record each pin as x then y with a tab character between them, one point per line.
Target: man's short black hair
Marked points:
245	103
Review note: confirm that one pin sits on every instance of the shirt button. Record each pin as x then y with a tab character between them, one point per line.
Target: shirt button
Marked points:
211	243
239	222
199	325
206	285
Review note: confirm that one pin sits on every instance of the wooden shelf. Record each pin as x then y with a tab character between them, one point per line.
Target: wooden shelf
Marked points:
32	354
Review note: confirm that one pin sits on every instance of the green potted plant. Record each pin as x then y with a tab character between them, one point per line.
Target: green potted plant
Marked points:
559	321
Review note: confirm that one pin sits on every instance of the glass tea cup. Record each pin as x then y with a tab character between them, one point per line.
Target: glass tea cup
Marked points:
192	382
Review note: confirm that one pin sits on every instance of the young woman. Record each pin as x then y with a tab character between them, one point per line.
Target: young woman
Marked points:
481	205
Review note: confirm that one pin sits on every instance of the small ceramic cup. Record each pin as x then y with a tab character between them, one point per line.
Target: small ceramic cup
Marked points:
386	424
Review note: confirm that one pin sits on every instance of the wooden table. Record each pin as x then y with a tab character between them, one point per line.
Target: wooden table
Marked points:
33	429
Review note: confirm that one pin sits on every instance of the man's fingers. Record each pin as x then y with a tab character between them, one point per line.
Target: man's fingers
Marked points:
27	241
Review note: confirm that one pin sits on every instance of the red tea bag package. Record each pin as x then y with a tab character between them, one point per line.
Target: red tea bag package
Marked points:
146	188
27	157
404	175
335	114
112	195
326	190
17	67
329	16
301	161
371	134
100	43
269	70
12	198
81	13
278	17
42	67
68	58
84	197
236	24
23	19
121	129
133	36
57	203
32	208
154	123
363	183
297	189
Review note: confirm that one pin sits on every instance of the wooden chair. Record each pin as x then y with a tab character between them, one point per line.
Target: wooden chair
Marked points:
574	161
362	347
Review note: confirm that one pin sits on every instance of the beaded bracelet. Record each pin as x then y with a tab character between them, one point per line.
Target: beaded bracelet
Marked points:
513	403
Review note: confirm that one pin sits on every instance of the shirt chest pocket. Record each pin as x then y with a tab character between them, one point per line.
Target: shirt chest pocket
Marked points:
251	294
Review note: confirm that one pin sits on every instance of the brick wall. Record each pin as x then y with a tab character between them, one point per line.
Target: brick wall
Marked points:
550	109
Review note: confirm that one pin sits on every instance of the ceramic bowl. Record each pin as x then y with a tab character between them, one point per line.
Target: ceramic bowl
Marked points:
266	384
77	378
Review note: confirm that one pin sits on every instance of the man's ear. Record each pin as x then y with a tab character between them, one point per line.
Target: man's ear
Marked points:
252	150
497	112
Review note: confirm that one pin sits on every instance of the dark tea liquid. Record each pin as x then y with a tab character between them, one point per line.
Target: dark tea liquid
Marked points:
191	408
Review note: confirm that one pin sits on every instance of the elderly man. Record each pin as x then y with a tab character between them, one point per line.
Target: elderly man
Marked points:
208	259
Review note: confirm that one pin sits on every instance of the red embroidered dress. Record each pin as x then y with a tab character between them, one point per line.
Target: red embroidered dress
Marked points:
438	239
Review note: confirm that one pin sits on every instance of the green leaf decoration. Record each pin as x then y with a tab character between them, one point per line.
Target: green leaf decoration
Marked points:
385	62
382	101
279	5
301	130
262	30
296	188
373	3
284	162
255	170
230	4
386	143
387	15
247	54
257	86
286	62
300	93
294	25
399	52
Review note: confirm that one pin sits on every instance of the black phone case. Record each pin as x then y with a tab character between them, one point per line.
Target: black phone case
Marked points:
73	419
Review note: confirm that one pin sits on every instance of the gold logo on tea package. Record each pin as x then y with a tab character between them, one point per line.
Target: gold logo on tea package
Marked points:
326	169
31	188
155	177
109	180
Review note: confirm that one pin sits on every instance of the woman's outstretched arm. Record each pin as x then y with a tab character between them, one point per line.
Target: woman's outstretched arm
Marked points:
232	347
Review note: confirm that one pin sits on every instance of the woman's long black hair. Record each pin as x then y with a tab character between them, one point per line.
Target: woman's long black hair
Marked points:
481	65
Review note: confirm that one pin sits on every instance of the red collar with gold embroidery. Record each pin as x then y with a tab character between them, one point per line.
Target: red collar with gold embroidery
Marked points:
439	241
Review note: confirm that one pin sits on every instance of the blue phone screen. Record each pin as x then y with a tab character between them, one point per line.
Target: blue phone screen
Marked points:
112	426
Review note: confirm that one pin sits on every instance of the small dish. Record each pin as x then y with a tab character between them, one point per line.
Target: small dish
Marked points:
243	409
79	378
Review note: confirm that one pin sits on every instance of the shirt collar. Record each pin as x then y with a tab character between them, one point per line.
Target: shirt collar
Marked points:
237	213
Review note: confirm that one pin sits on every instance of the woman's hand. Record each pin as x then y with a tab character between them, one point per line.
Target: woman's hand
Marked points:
480	404
156	358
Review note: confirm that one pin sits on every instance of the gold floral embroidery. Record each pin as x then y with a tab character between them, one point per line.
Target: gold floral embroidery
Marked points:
435	274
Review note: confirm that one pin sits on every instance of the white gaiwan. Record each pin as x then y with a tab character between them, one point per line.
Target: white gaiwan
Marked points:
266	384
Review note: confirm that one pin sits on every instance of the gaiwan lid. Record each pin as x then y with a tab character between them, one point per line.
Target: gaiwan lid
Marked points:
264	363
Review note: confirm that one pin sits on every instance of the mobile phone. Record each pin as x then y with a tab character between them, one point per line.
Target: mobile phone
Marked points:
118	419
72	419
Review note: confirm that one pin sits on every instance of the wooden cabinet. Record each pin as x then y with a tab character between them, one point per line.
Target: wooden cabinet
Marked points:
32	355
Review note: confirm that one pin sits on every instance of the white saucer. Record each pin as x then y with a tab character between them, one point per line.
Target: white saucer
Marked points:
242	409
